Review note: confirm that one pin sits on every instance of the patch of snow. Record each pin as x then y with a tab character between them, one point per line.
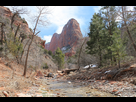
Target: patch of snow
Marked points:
64	48
67	26
107	71
69	82
91	66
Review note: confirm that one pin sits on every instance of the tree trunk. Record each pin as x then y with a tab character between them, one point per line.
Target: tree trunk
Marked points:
100	54
12	20
2	32
80	53
16	32
128	29
119	60
115	61
131	38
25	68
23	51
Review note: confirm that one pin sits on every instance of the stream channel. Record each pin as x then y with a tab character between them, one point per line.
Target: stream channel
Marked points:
59	88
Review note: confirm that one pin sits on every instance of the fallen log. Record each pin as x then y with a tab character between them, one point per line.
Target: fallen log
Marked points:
67	71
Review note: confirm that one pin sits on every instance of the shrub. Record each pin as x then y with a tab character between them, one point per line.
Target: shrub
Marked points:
16	47
24	21
45	66
1	48
50	52
45	51
59	58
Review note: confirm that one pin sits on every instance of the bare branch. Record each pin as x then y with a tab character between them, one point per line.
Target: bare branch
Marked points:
16	11
41	12
19	10
37	33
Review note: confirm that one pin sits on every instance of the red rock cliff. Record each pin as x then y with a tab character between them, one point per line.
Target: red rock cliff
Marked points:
54	42
70	34
5	13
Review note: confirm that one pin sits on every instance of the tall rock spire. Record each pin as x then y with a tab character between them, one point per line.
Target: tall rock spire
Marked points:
69	36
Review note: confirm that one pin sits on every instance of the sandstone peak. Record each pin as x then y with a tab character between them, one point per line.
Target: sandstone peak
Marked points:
69	36
72	19
56	35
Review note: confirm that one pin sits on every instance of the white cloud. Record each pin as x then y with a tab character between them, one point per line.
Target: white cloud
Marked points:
130	7
61	15
47	38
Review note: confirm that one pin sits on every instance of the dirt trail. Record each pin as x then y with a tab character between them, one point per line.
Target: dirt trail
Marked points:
59	88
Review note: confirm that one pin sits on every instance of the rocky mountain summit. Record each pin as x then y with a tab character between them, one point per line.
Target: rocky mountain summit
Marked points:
67	40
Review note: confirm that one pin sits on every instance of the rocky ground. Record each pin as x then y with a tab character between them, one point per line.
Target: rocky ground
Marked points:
84	83
122	82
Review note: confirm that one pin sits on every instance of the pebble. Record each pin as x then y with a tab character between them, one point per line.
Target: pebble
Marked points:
69	82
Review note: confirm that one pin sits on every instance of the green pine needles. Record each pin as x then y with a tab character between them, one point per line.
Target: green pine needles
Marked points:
105	41
59	58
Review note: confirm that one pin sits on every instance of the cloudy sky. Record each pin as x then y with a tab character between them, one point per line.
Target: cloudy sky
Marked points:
60	15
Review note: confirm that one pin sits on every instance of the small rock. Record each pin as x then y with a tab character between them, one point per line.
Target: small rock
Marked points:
69	82
119	94
5	93
39	74
50	75
23	95
35	78
39	95
115	90
47	84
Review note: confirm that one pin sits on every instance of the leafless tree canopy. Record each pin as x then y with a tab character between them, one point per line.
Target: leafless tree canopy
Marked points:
42	11
19	10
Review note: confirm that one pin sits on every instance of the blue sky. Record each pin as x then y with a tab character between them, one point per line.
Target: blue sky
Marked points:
60	15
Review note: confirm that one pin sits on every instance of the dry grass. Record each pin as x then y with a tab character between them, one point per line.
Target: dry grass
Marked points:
14	82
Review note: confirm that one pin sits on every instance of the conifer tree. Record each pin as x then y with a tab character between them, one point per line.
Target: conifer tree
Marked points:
59	57
98	39
109	18
117	48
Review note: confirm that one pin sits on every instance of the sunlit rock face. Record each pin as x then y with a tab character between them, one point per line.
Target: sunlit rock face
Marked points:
69	36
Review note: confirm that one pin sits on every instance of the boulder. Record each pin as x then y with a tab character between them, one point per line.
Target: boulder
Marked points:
5	93
39	74
49	75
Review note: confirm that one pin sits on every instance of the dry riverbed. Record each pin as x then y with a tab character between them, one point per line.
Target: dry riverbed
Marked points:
66	88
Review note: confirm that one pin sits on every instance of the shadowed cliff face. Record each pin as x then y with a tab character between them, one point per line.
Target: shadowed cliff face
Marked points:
69	36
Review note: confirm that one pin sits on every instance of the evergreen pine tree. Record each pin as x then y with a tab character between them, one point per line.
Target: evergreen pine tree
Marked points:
117	48
59	57
98	39
109	16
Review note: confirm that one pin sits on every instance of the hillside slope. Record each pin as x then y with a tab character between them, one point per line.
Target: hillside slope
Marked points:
36	55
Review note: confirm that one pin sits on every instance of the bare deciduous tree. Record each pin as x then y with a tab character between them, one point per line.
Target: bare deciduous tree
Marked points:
127	17
2	31
16	10
80	50
42	11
